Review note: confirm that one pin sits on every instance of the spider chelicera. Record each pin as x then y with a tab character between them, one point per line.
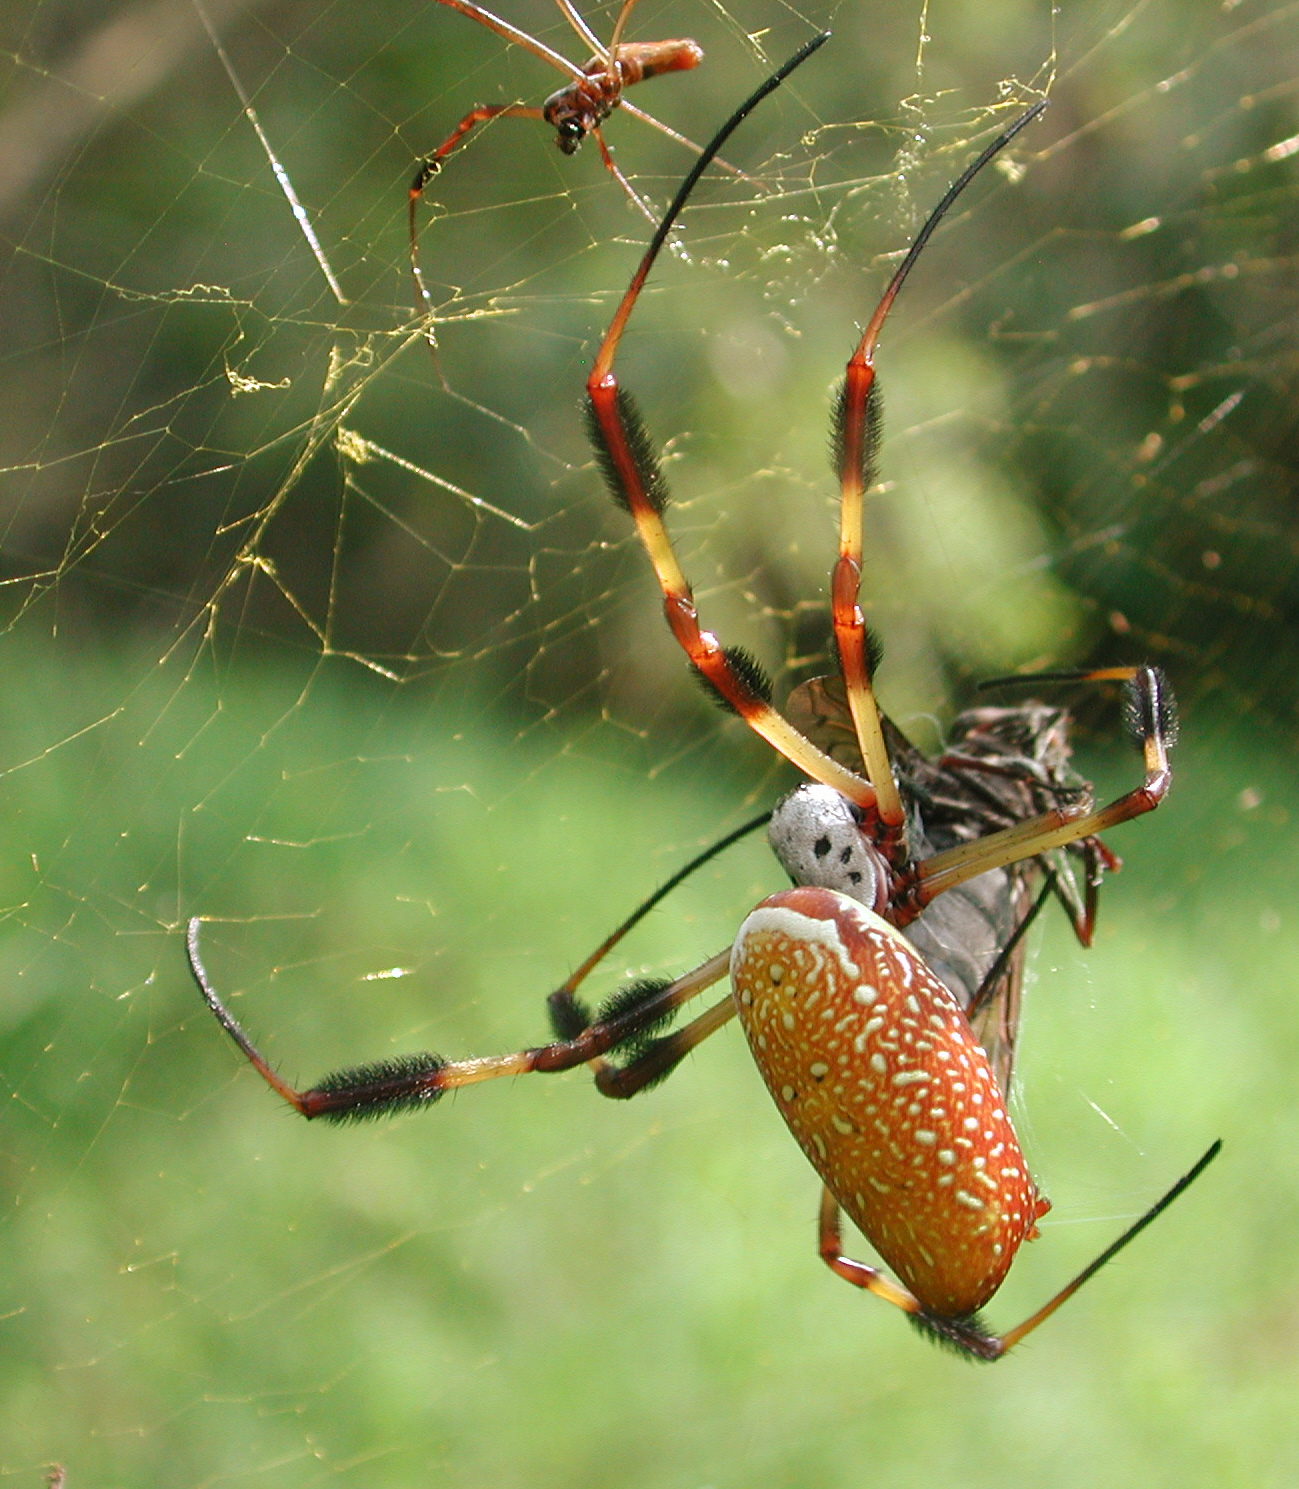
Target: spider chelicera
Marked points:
866	1047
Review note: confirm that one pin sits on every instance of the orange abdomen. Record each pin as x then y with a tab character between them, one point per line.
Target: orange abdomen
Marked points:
638	60
873	1066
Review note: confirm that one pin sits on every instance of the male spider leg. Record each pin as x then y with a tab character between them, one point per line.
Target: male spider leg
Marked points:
687	143
520	38
611	165
574	18
409	1081
1151	714
431	165
635	480
855	438
968	1334
619	26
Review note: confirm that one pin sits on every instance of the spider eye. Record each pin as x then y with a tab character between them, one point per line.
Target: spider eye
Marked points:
569	135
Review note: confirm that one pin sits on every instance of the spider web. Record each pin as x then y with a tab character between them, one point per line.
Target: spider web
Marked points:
338	644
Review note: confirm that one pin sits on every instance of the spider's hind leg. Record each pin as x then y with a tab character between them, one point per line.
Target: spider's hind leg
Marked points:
386	1087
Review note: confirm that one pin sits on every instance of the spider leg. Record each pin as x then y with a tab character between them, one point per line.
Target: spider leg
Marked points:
610	165
1151	711
563	1006
406	1082
1081	913
569	1017
968	1334
1010	1339
988	986
432	164
574	18
686	142
635	481
619	26
830	1245
855	438
521	38
658	1058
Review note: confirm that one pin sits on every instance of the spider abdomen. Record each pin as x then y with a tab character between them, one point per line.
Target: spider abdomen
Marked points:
873	1066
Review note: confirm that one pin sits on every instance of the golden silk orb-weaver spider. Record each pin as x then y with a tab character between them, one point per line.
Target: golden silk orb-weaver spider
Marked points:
578	109
871	1056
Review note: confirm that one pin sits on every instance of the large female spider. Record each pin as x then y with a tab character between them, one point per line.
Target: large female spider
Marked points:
869	1053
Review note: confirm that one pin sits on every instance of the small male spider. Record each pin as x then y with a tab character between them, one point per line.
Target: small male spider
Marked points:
867	1049
574	111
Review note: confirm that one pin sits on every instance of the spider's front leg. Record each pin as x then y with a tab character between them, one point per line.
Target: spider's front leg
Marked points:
855	428
635	480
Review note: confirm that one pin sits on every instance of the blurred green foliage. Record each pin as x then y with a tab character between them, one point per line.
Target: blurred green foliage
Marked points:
530	1285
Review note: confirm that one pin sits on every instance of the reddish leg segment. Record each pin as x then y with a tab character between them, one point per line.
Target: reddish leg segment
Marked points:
432	164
